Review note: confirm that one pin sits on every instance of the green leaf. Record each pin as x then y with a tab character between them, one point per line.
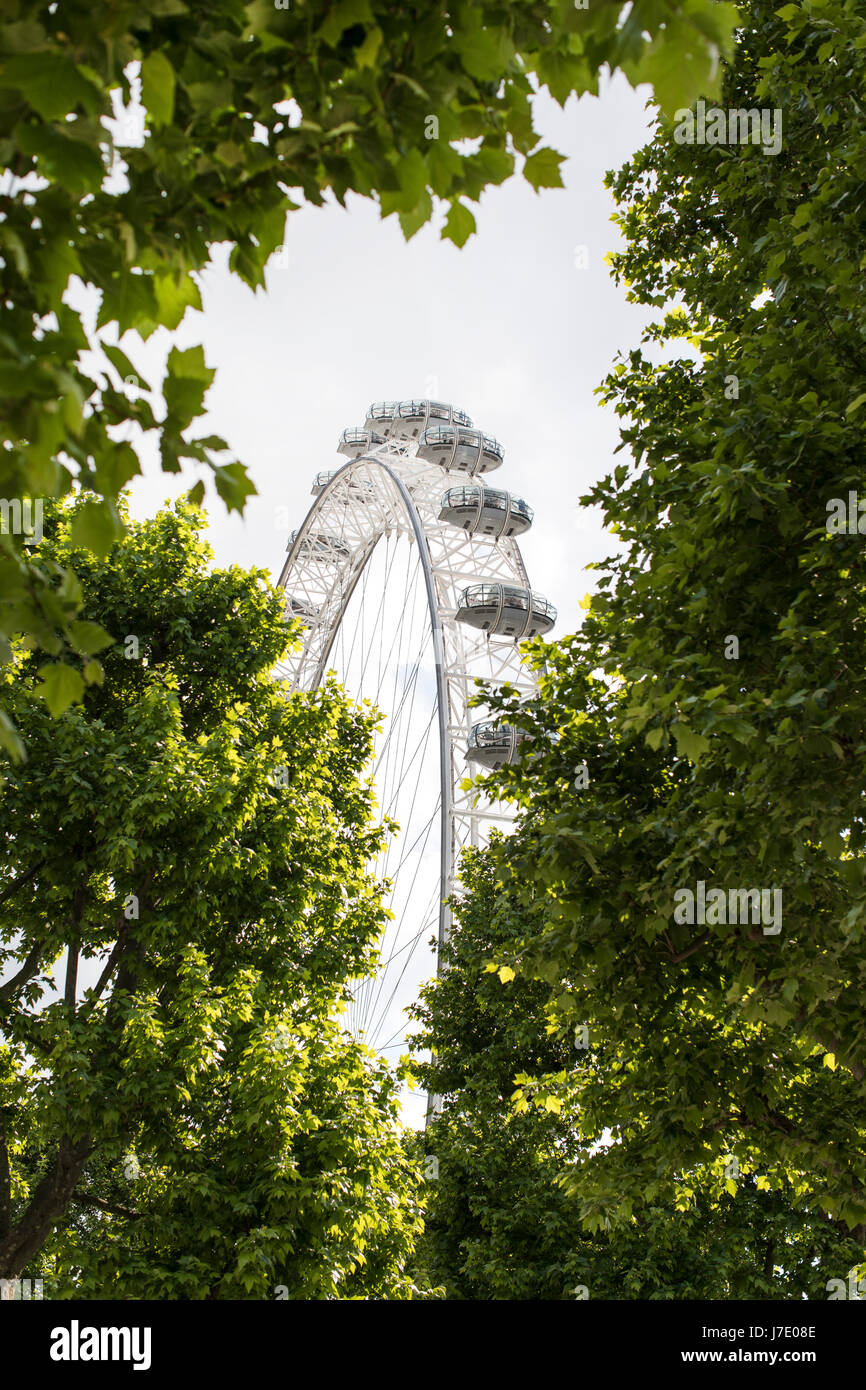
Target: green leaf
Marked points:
496	164
690	744
565	73
87	637
233	485
96	526
411	222
369	49
459	224
61	686
190	363
412	174
186	382
75	165
93	672
130	301
484	52
157	88
115	467
541	169
122	365
51	84
11	740
680	65
11	242
346	14
174	295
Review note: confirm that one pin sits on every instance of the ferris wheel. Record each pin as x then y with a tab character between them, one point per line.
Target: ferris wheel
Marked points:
409	583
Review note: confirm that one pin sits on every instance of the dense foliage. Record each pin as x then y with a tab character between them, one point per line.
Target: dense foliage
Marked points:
715	693
503	1219
185	856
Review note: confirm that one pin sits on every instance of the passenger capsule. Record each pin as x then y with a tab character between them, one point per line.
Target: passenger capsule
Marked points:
318	546
507	610
494	745
380	416
460	450
354	442
485	511
359	489
409	419
301	608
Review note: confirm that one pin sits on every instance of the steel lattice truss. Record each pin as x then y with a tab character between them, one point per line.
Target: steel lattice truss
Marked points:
391	495
360	505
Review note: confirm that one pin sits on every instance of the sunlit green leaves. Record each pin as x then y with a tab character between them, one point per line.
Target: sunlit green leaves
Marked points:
257	1145
96	526
175	293
129	301
723	723
531	1197
342	16
118	465
10	739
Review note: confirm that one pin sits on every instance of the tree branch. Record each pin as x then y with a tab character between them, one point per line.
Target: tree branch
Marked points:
72	948
690	950
55	1191
48	1202
5	1188
28	969
108	969
71	976
19	882
86	1199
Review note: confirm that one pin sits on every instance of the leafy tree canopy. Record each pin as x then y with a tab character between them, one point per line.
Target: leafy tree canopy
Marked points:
183	1116
505	1218
715	693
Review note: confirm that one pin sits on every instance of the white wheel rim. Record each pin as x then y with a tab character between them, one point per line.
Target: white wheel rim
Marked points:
391	494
